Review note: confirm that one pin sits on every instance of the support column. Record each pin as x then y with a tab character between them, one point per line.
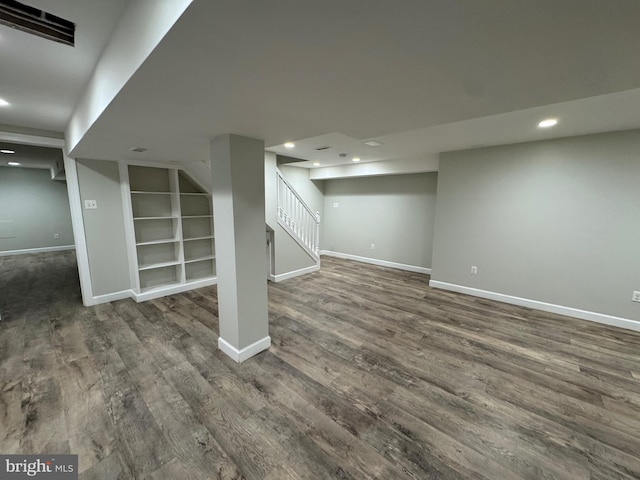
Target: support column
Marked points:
237	167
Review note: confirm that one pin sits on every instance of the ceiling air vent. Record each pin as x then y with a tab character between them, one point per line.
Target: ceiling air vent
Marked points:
35	21
319	149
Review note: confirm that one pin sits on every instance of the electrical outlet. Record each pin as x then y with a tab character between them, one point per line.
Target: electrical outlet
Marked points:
336	204
474	270
56	235
90	204
635	297
373	246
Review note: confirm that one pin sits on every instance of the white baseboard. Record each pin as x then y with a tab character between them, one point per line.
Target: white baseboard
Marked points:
546	307
375	261
245	353
7	253
295	273
151	294
112	297
163	291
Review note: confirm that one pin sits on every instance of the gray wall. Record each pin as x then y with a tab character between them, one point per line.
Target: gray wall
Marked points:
104	226
555	221
395	212
33	208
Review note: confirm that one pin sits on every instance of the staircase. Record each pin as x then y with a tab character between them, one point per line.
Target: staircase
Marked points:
295	216
292	227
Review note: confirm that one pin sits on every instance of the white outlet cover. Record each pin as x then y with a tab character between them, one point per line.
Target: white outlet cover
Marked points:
635	297
90	204
336	205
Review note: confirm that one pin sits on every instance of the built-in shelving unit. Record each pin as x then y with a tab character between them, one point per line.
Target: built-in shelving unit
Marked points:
172	230
197	228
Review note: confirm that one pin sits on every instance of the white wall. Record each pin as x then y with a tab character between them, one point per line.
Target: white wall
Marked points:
104	226
32	209
555	221
394	212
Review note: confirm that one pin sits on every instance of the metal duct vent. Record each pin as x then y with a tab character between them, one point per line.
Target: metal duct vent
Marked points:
35	21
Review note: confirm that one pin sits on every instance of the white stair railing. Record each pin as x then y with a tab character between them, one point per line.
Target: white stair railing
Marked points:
296	216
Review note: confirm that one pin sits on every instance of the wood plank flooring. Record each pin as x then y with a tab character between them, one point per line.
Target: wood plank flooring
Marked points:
372	374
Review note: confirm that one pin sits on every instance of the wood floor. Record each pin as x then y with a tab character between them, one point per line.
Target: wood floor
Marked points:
372	374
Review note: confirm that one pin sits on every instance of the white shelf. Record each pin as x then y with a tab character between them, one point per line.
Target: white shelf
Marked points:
201	259
140	192
197	216
195	194
164	286
190	239
158	242
155	218
158	265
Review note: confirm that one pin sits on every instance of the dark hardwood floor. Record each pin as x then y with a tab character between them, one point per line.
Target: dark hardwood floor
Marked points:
372	374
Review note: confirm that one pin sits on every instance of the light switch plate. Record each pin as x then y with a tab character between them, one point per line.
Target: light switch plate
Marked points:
90	204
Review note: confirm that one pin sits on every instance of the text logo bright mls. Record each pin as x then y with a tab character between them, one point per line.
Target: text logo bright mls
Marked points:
54	467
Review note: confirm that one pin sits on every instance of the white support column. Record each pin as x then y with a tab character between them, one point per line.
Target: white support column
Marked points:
237	168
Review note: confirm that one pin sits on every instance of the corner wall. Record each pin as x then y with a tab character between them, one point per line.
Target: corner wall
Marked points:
554	221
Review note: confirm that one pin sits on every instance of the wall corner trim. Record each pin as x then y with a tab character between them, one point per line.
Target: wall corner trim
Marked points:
538	305
375	261
245	353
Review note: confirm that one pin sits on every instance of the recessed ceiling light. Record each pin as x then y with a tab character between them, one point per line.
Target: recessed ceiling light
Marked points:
373	143
289	145
316	164
13	164
549	122
7	152
355	159
3	103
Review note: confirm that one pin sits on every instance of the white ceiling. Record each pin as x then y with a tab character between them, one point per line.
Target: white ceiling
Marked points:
604	113
420	76
43	79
